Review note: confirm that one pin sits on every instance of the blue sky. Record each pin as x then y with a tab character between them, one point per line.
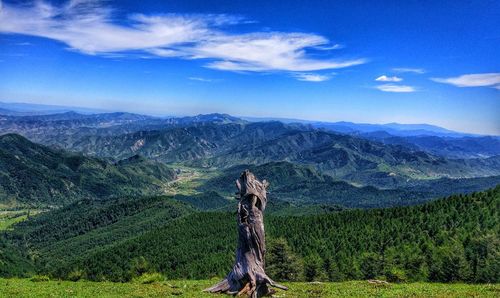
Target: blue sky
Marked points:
364	61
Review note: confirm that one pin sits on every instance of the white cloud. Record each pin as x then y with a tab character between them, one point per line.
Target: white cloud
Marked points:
385	78
395	88
473	80
266	52
89	28
408	69
311	77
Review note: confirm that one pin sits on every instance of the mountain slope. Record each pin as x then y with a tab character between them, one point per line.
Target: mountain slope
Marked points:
87	226
299	184
35	174
353	159
14	262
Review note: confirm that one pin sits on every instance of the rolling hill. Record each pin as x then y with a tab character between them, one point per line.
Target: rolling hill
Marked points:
77	229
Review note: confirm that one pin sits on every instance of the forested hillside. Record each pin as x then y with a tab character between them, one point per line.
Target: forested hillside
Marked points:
304	184
452	239
36	175
14	261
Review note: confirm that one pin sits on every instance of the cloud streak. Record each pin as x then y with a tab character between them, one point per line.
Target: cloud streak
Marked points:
473	80
408	69
89	28
311	77
395	88
200	79
385	78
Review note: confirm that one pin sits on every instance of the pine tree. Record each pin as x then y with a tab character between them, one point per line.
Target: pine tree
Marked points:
281	262
313	268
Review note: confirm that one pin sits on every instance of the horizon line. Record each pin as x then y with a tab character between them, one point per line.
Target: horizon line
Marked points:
94	110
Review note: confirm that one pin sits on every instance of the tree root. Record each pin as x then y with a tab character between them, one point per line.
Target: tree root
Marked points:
250	288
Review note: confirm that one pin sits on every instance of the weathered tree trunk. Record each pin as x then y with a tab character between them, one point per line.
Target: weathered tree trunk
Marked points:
248	276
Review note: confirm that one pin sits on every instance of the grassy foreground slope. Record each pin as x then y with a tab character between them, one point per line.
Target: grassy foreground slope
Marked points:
193	288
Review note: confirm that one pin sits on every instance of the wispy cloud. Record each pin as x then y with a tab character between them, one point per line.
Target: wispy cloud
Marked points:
395	88
385	78
408	69
89	27
23	44
200	79
311	77
266	52
473	80
332	47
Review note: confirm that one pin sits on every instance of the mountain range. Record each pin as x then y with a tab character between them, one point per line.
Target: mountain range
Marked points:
360	156
221	141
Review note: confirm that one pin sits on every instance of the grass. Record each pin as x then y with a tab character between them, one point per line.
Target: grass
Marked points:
9	218
193	288
188	180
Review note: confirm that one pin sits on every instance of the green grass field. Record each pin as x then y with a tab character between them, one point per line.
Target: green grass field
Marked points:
188	180
9	218
193	288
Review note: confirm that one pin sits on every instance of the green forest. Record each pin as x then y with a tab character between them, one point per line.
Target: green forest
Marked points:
448	240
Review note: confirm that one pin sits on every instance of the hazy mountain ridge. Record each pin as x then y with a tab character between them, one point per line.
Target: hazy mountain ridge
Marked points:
396	129
64	128
463	147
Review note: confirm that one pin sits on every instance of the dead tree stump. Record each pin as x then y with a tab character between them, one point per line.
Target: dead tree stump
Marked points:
248	276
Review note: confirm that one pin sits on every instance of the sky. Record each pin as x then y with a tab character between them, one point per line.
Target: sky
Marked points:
434	62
